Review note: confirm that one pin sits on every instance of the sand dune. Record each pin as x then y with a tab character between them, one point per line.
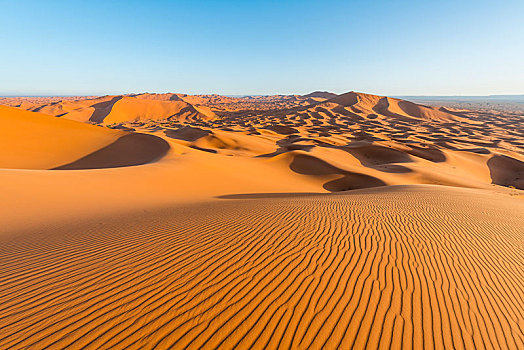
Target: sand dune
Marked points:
207	221
38	141
391	107
117	109
507	171
404	267
128	150
133	109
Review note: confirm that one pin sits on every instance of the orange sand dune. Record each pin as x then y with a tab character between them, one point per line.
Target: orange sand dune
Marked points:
408	266
37	141
390	107
133	109
316	221
117	109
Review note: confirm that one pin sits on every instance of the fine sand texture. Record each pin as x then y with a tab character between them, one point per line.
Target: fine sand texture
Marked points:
405	267
320	221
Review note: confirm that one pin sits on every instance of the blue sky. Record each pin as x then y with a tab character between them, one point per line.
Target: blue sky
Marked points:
261	47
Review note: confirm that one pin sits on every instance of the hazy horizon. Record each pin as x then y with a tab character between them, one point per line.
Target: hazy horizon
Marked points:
284	94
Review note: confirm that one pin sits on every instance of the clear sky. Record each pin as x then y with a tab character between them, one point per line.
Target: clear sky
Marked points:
261	47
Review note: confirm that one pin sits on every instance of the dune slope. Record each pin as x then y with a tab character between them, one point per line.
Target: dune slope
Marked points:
33	140
116	109
128	150
37	141
405	266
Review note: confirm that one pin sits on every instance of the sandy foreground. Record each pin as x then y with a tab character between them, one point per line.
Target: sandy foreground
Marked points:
316	221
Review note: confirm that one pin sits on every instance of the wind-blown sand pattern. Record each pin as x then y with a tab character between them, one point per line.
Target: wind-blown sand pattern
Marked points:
404	267
207	222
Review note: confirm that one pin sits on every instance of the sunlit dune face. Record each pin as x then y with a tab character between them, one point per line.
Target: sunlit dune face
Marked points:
380	140
320	221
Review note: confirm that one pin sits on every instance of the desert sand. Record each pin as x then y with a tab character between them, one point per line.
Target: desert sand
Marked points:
314	221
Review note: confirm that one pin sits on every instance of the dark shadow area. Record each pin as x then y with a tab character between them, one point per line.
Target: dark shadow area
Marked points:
308	165
282	130
393	168
432	154
353	117
292	147
373	155
128	150
353	181
289	144
121	127
208	150
102	109
477	150
187	133
506	171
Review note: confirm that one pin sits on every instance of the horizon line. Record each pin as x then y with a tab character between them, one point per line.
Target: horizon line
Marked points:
247	95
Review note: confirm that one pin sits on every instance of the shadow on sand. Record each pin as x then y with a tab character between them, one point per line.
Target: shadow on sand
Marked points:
128	150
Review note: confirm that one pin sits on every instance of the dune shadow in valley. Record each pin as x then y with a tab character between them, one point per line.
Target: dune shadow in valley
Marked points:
128	150
103	109
506	171
309	165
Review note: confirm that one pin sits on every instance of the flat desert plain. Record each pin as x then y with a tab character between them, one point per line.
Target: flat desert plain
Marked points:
316	221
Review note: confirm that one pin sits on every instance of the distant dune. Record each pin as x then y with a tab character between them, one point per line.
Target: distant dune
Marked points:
313	222
492	104
321	94
117	109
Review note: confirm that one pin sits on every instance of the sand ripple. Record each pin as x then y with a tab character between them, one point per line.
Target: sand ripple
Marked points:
406	266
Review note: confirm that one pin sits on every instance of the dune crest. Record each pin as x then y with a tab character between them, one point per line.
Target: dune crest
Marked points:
128	150
33	140
123	108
